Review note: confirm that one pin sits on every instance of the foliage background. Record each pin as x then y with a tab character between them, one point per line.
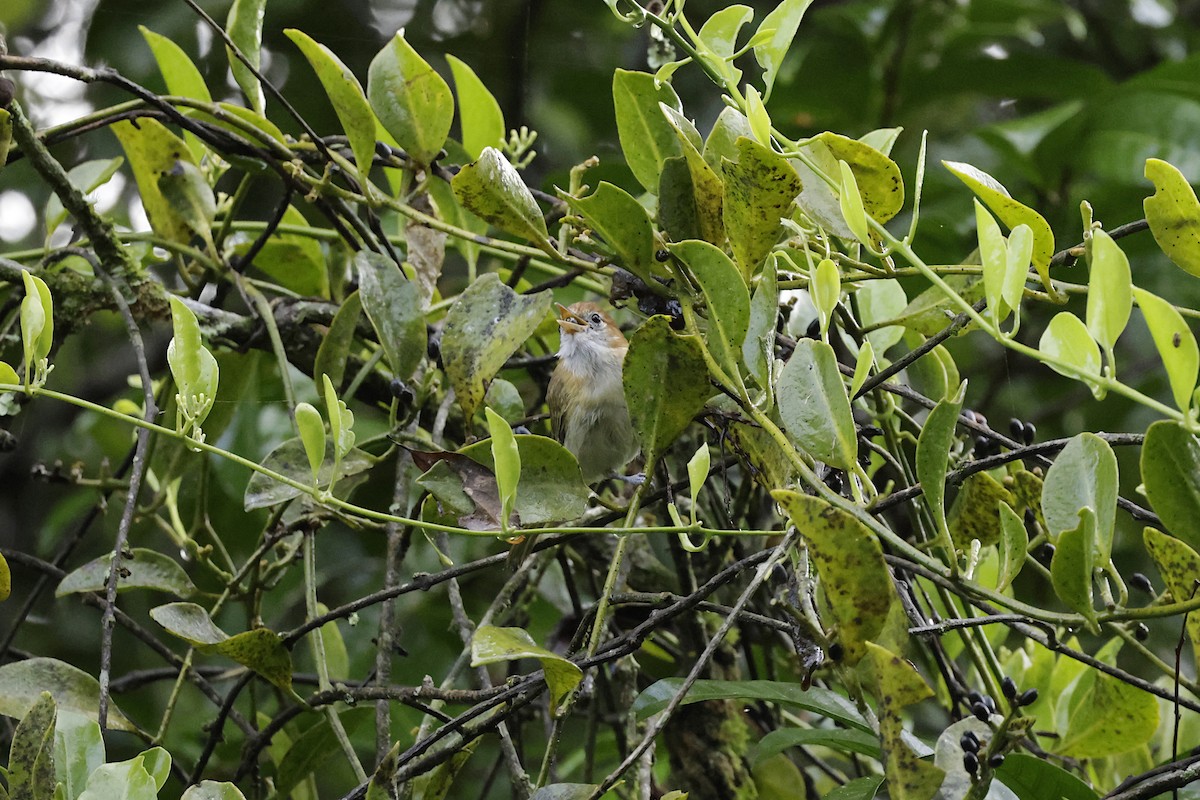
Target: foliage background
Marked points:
1063	100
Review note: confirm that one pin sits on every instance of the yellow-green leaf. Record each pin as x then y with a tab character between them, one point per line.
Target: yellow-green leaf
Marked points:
1174	215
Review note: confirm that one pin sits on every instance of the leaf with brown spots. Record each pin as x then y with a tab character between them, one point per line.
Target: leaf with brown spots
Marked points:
1180	567
759	189
850	563
898	684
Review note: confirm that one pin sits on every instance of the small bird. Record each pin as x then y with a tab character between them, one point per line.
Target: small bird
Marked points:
586	395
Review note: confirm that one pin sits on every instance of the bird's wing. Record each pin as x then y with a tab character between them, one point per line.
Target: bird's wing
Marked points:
556	400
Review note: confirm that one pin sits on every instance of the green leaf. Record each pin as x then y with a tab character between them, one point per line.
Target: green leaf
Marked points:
157	763
862	368
153	150
720	32
1180	567
126	780
411	99
181	76
782	23
697	468
37	322
506	462
213	790
31	763
647	139
1174	215
818	700
393	304
186	190
552	489
678	215
814	406
1170	464
1072	566
491	188
818	200
707	189
479	114
759	188
1106	716
975	514
1084	475
1175	342
491	644
933	453
334	352
23	682
314	747
622	222
845	741
721	143
757	116
1013	545
850	563
78	750
341	421
1110	296
346	95
194	369
1033	778
851	203
5	579
260	649
857	789
1020	254
727	298
245	27
312	436
1067	339
876	176
993	253
87	177
882	301
294	261
487	324
825	289
291	460
666	384
899	685
758	351
1010	212
143	569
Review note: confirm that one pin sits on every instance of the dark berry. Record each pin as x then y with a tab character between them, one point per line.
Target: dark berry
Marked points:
814	329
969	743
1016	428
1141	632
8	90
1046	553
1028	433
996	760
990	703
836	652
981	712
971	763
1009	687
1027	697
974	697
1140	582
662	255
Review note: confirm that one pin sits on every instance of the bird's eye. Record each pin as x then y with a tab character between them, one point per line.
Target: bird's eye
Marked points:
595	319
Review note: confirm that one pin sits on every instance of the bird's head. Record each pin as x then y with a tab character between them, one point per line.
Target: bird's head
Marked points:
588	331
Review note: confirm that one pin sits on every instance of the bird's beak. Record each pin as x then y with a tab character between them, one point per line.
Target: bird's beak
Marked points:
569	321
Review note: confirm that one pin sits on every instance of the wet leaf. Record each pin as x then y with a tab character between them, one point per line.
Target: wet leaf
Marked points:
1110	298
707	189
666	384
245	26
1067	339
491	188
814	406
647	139
818	200
1074	561
727	298
213	790
1175	342
23	682
291	460
1033	778
900	685
622	222
1174	215
334	352
260	649
877	176
721	143
1180	567
347	96
31	763
78	751
492	644
1013	545
975	513
1010	212
933	453
128	780
393	305
1170	464
147	569
759	188
552	488
479	114
184	187
782	23
152	151
1084	475
487	324
850	563
410	99
506	461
